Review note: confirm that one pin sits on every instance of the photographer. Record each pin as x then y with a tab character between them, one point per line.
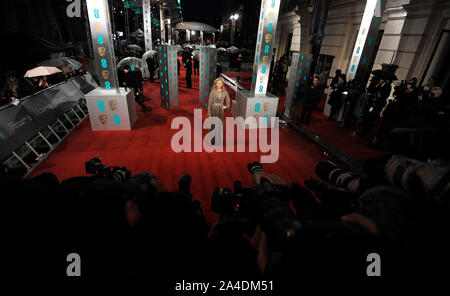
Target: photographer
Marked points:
142	225
315	240
395	111
336	96
133	79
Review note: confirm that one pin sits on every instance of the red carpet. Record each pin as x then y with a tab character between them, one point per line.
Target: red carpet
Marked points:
331	132
338	136
147	148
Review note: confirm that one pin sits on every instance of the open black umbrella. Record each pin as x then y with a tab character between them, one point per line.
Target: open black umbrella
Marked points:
385	75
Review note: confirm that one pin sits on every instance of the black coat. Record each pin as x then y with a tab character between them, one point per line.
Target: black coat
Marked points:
132	79
188	67
313	96
151	64
336	95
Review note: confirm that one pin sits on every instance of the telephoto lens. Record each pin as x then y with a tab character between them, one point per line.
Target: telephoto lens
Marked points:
275	216
255	168
120	173
334	175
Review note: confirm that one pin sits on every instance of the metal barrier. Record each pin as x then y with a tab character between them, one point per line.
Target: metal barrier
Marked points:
34	127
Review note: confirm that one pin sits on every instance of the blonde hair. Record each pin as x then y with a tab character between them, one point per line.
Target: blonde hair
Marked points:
215	87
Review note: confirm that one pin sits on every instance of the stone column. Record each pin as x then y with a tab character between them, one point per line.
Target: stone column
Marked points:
147	17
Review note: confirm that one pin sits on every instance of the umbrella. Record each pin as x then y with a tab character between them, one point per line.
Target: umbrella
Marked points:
187	45
221	49
42	71
61	62
137	33
195	52
132	62
211	46
233	49
134	47
385	75
150	53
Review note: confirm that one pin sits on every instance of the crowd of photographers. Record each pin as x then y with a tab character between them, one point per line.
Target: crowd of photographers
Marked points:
133	227
411	120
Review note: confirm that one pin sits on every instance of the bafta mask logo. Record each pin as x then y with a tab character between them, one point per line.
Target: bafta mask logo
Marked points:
113	105
103	118
102	51
97	26
270	15
268	37
266	106
261	79
265	59
105	74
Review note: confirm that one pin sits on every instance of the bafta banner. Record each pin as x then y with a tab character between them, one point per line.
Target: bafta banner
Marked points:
208	64
7	145
147	15
365	41
18	124
168	75
264	45
102	43
298	80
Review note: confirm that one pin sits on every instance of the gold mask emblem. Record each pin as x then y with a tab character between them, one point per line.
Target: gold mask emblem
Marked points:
265	59
266	106
261	79
103	118
270	15
268	37
105	74
102	51
97	26
113	105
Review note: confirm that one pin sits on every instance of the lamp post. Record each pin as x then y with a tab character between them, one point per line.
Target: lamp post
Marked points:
233	19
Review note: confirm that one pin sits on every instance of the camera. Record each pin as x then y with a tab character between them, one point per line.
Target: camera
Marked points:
96	167
331	173
266	205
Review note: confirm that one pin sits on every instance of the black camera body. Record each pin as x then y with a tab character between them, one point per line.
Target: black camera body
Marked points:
96	167
266	205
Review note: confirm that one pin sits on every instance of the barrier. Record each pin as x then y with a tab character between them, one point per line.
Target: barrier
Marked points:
45	117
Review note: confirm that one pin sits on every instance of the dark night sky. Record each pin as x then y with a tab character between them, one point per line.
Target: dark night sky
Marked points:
205	11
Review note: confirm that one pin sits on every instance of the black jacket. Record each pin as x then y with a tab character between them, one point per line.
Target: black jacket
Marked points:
313	96
131	79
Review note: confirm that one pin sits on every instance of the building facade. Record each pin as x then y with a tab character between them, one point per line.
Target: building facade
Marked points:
413	34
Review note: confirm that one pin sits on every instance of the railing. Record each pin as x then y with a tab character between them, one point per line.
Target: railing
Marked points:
30	130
